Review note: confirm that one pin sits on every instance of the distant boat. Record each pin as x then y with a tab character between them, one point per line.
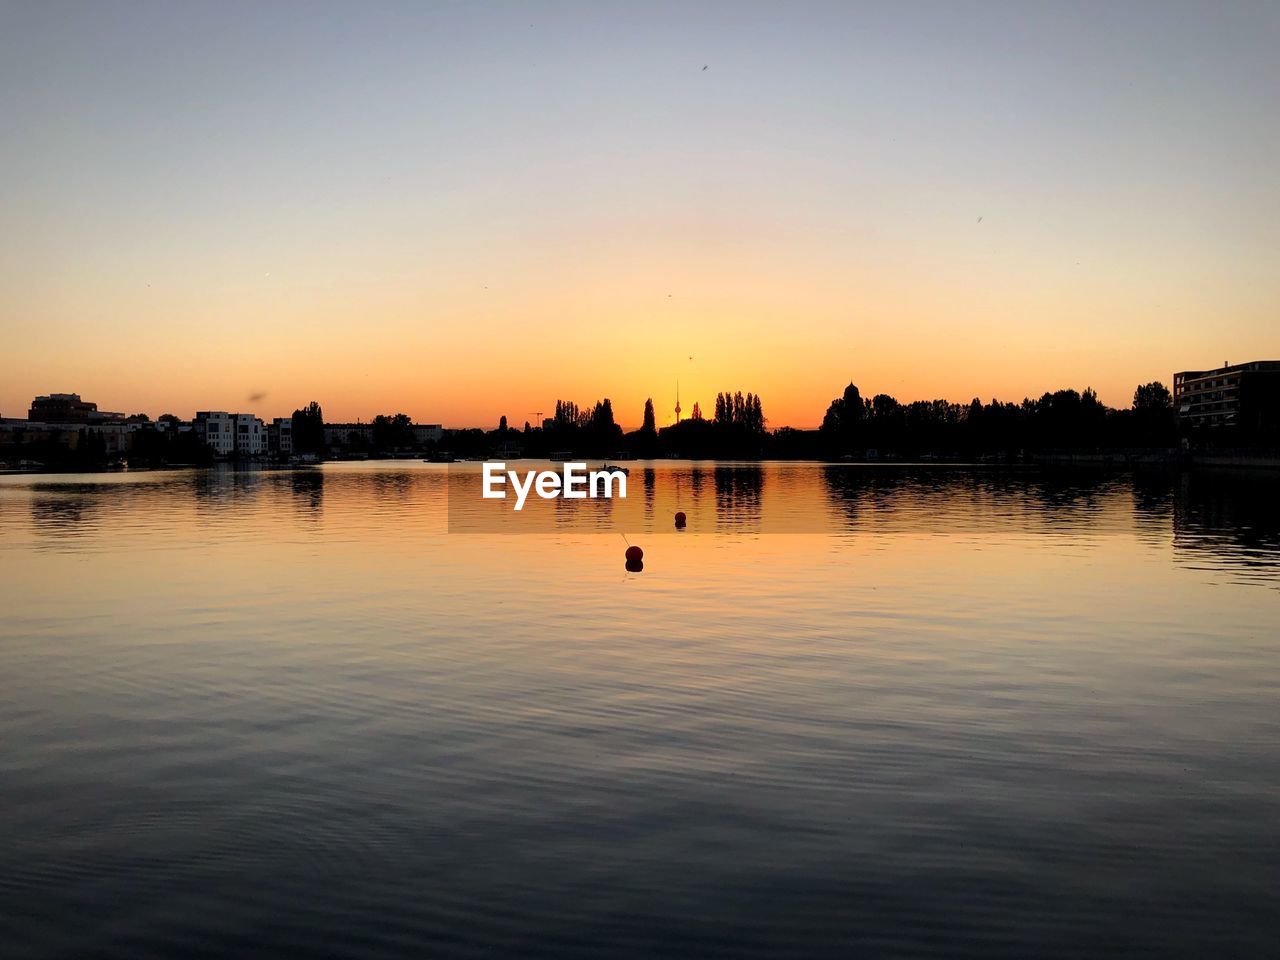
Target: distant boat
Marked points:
560	456
614	468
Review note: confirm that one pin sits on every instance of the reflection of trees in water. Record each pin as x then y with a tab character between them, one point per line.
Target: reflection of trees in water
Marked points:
591	512
684	491
64	510
306	484
738	492
907	496
72	509
1153	501
1231	518
1064	500
650	489
385	490
957	499
1074	494
846	489
391	485
395	498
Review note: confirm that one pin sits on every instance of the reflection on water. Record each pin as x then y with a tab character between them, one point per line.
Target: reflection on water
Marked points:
953	712
1234	516
308	491
1238	522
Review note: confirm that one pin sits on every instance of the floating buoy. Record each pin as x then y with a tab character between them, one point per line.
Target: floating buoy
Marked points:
680	518
634	554
635	566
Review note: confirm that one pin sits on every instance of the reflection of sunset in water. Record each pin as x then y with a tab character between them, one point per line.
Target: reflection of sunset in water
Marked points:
299	683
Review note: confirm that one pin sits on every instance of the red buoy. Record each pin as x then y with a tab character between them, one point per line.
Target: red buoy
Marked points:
680	518
635	554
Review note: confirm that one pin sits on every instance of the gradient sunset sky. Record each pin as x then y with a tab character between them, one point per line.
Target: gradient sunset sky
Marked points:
461	210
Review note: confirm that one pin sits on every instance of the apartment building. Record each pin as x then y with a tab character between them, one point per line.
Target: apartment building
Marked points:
1245	396
280	437
226	434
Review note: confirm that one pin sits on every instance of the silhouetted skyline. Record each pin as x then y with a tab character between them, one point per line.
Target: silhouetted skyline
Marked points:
470	208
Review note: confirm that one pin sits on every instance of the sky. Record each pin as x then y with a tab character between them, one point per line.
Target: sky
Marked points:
468	210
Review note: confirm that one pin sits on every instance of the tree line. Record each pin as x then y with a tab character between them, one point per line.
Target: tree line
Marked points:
853	427
1062	419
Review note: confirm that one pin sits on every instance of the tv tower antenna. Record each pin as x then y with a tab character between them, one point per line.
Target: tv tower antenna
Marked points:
677	401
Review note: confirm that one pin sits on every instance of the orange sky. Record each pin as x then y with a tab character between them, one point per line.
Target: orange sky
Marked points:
467	214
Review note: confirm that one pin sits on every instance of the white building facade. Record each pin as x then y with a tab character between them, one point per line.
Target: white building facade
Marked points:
232	433
216	430
251	435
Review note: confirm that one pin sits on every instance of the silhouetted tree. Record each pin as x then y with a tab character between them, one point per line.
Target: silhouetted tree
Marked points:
644	442
187	447
602	416
738	428
568	414
1152	398
308	429
583	430
843	417
1154	422
1062	419
392	432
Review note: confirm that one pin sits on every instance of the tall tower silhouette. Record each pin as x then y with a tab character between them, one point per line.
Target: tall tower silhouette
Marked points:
677	401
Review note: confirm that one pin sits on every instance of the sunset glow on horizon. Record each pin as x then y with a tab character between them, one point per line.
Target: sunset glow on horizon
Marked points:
464	212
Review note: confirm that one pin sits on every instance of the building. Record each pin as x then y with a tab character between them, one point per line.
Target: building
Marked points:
241	434
280	437
18	432
428	432
251	435
345	434
214	427
168	423
117	438
67	408
360	435
68	420
1243	396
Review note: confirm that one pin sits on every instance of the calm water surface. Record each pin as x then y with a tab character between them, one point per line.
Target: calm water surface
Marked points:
961	712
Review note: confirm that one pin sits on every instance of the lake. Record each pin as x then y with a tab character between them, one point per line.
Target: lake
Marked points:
850	711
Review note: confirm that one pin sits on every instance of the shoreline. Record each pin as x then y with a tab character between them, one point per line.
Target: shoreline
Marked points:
1119	461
